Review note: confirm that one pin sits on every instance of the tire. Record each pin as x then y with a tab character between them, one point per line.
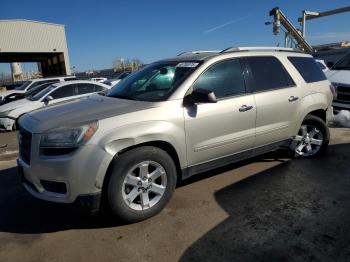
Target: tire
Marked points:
128	179
312	139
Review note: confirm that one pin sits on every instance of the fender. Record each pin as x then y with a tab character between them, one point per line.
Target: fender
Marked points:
130	135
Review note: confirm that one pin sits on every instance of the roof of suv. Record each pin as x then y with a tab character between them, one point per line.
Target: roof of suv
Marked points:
206	55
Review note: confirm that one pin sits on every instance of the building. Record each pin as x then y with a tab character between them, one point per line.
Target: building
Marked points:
33	41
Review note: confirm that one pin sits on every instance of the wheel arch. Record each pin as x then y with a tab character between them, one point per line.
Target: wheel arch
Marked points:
162	144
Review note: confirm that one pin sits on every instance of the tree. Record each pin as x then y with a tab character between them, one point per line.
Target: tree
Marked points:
121	64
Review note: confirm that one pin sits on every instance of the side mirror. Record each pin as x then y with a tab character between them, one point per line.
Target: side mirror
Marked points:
200	96
330	64
48	99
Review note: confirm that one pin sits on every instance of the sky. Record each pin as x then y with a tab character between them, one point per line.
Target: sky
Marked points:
99	32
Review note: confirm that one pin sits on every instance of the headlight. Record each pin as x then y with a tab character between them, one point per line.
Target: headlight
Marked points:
68	137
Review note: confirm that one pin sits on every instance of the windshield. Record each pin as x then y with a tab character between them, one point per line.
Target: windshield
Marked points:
343	63
155	82
23	86
42	93
37	89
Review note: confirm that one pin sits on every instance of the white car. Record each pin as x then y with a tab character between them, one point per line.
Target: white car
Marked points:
98	79
339	75
28	85
53	94
114	81
322	65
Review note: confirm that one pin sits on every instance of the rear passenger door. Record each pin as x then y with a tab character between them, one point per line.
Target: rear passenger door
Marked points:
276	96
85	89
217	130
63	93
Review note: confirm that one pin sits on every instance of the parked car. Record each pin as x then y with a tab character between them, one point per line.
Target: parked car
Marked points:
173	119
322	65
27	85
53	94
98	79
114	81
17	96
339	75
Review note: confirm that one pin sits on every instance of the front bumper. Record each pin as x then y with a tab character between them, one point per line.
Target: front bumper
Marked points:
81	173
7	123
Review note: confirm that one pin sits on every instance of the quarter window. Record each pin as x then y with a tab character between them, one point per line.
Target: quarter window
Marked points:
308	69
225	79
268	73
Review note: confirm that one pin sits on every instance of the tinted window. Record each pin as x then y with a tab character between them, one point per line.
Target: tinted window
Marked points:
98	88
343	63
308	69
225	79
85	88
64	91
268	73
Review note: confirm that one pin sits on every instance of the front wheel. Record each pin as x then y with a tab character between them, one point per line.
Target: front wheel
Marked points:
312	138
141	184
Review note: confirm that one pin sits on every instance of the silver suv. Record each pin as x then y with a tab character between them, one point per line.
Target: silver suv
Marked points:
173	119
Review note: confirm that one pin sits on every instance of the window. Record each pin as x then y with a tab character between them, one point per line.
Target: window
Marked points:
225	79
343	63
268	73
321	65
98	88
38	83
308	69
63	91
85	88
155	82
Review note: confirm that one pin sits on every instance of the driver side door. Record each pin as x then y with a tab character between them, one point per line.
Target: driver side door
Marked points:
226	128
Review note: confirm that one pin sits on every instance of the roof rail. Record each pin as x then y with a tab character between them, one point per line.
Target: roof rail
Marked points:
198	52
259	48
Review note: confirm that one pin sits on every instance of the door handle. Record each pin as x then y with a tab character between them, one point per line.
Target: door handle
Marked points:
245	108
293	98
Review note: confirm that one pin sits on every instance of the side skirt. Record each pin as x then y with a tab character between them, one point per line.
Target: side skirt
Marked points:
212	164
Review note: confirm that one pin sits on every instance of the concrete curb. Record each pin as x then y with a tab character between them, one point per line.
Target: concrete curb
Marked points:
8	155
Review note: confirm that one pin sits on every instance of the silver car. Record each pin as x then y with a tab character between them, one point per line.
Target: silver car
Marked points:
173	119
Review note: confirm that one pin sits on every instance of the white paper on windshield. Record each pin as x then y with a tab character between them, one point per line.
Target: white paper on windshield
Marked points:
186	64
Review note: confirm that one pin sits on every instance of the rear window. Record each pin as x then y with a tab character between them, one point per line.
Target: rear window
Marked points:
308	69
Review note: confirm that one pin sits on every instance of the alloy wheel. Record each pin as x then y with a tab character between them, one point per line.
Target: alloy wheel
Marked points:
144	185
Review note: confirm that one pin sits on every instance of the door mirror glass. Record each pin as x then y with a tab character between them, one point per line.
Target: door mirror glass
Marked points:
200	96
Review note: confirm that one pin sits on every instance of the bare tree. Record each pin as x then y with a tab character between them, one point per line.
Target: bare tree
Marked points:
121	64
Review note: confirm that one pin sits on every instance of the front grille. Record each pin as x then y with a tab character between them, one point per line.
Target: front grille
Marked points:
25	144
343	94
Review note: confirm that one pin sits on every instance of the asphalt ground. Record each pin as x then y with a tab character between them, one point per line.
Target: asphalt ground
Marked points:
270	208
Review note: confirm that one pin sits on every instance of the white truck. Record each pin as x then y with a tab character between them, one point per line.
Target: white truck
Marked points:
339	75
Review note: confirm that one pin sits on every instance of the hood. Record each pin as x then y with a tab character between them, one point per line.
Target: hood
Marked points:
78	111
15	105
339	76
9	92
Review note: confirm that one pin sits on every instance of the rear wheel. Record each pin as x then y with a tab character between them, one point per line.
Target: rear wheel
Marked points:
141	184
312	138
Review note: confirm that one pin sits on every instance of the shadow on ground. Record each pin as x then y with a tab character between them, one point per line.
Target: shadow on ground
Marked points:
22	213
297	211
